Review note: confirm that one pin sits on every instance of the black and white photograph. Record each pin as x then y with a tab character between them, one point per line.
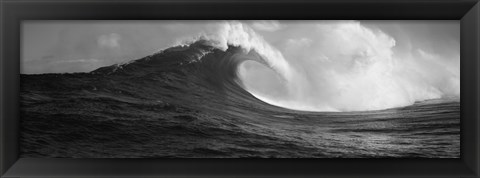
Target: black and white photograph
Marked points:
240	89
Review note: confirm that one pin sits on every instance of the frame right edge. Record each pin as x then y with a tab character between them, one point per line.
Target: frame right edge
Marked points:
470	83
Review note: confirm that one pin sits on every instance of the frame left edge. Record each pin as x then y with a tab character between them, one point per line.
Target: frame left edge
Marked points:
9	35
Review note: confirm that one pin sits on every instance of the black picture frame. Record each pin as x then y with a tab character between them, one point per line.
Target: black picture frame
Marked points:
14	11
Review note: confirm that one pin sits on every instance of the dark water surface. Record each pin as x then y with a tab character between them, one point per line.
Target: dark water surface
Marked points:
187	102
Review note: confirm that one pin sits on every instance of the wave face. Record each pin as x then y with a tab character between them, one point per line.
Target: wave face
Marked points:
194	101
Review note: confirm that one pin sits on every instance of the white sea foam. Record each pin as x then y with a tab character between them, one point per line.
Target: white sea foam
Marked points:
341	66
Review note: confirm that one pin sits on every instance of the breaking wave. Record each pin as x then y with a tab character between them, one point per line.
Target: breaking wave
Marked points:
344	67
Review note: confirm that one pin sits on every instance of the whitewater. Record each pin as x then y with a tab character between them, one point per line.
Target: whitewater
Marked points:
342	67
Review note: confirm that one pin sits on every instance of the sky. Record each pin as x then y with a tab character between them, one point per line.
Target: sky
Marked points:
343	65
82	46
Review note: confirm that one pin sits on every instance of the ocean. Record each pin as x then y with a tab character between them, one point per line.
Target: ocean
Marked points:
188	102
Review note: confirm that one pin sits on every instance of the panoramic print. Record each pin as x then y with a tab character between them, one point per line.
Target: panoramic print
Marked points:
240	89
